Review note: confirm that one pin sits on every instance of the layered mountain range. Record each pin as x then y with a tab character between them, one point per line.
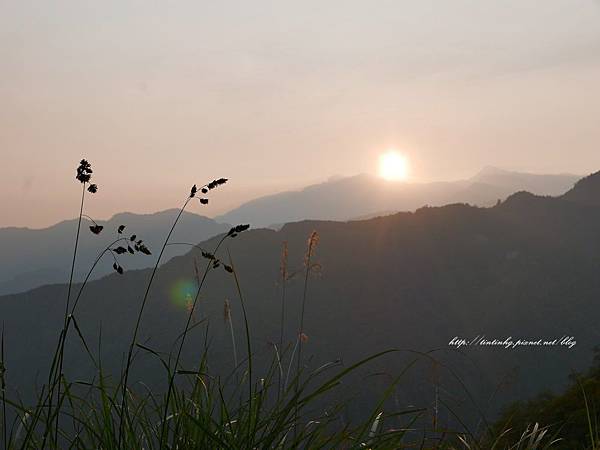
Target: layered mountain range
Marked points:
32	258
526	268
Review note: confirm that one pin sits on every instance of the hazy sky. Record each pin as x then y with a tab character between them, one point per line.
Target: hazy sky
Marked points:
160	95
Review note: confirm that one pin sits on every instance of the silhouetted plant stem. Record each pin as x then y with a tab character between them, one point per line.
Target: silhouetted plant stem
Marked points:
287	377
248	344
312	242
74	254
3	389
309	252
299	361
63	336
139	319
63	332
283	270
227	314
204	189
183	338
278	357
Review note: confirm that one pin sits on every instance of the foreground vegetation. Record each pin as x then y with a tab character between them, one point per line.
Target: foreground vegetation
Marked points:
574	415
286	405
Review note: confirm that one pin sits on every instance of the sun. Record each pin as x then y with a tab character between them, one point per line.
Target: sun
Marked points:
393	166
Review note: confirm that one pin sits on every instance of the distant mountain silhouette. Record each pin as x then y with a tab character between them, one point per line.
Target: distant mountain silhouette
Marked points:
32	258
526	268
540	184
368	196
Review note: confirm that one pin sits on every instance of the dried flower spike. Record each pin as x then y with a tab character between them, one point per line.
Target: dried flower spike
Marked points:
311	244
142	248
227	311
208	255
284	260
313	240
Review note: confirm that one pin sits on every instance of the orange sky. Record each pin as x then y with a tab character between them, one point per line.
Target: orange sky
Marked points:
161	95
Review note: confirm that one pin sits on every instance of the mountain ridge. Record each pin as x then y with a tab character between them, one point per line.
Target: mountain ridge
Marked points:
586	190
367	195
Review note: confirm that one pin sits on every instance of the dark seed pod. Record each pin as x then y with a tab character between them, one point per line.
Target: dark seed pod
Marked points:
96	229
145	250
208	255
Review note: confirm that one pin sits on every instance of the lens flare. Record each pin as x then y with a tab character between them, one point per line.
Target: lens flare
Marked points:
183	292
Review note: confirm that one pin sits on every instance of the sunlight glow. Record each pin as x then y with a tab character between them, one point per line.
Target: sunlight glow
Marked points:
393	166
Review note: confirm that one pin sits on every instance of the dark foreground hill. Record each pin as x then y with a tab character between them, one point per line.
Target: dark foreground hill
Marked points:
32	258
565	411
524	269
